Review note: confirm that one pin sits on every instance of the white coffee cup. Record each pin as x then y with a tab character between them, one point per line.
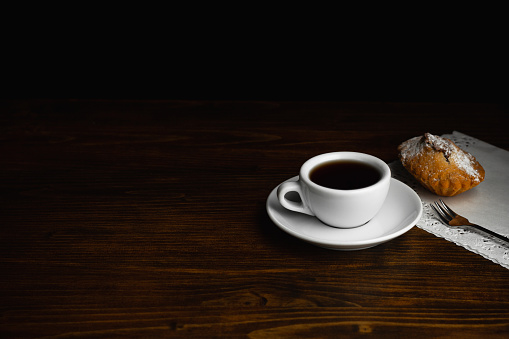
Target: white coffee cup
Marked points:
338	207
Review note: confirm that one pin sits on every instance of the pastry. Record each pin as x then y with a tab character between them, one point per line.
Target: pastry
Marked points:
440	165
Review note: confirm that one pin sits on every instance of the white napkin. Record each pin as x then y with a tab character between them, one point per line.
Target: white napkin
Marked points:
485	204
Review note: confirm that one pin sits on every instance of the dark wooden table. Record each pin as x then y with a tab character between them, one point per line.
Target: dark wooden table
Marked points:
147	219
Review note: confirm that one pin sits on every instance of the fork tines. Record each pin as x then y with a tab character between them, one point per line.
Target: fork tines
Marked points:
445	213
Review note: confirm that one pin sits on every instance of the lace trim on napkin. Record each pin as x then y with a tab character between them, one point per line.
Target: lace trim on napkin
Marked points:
475	241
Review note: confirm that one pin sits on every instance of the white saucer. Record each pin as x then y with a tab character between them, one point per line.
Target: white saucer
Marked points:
400	212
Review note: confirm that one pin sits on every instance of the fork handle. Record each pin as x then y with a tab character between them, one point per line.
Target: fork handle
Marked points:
499	236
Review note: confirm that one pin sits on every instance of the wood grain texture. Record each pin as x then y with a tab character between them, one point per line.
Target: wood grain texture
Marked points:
147	219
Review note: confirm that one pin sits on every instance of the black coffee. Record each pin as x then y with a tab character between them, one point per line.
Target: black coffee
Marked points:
345	175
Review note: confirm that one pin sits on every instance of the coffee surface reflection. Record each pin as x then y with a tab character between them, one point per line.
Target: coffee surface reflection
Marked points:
345	175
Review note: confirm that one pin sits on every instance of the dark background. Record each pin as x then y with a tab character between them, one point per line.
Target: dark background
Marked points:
174	78
252	54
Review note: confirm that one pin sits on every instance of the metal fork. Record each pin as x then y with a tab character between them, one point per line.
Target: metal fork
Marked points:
454	219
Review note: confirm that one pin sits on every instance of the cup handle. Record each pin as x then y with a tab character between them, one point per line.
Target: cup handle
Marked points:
292	186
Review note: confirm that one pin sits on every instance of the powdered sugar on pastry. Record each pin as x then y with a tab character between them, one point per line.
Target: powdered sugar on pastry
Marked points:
453	153
440	165
411	148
